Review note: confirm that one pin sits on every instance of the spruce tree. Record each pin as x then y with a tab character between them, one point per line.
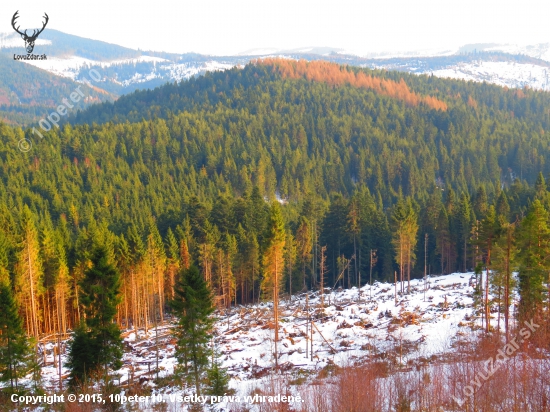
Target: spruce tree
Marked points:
534	246
540	187
97	344
14	351
304	246
481	204
193	305
218	379
464	228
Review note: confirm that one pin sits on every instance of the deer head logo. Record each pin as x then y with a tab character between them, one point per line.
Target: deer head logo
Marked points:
29	40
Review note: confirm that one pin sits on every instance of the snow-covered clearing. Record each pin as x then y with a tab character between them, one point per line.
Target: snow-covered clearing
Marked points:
352	328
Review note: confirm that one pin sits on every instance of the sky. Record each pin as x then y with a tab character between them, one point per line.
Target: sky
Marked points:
235	26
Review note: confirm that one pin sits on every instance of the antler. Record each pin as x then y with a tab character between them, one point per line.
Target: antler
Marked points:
43	26
15	17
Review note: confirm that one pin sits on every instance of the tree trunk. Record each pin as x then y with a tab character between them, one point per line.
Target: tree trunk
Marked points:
276	311
507	284
487	314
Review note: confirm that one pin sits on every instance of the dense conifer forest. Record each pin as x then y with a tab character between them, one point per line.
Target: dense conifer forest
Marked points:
270	176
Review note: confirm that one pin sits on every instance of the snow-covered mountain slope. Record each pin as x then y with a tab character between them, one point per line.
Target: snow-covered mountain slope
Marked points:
71	66
177	71
404	54
13	40
539	51
508	74
145	71
158	68
125	70
507	65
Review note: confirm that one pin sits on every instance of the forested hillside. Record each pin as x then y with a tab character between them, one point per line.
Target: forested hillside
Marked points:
28	94
376	166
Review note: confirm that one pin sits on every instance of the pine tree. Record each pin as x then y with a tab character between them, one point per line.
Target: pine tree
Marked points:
193	305
14	350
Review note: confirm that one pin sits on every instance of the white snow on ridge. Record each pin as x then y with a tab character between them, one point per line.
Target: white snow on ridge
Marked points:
402	54
539	51
140	59
509	74
8	40
515	75
71	66
184	71
178	71
65	67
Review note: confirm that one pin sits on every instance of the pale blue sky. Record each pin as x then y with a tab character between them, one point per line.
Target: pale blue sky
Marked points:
233	26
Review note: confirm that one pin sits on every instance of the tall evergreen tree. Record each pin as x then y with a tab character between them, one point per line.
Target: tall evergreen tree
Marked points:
540	187
14	350
481	204
405	225
30	274
503	207
504	264
487	236
354	228
193	305
534	244
97	344
304	246
464	228
273	265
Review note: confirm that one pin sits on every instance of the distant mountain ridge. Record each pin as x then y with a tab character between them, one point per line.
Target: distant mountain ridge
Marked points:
28	94
125	70
55	43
